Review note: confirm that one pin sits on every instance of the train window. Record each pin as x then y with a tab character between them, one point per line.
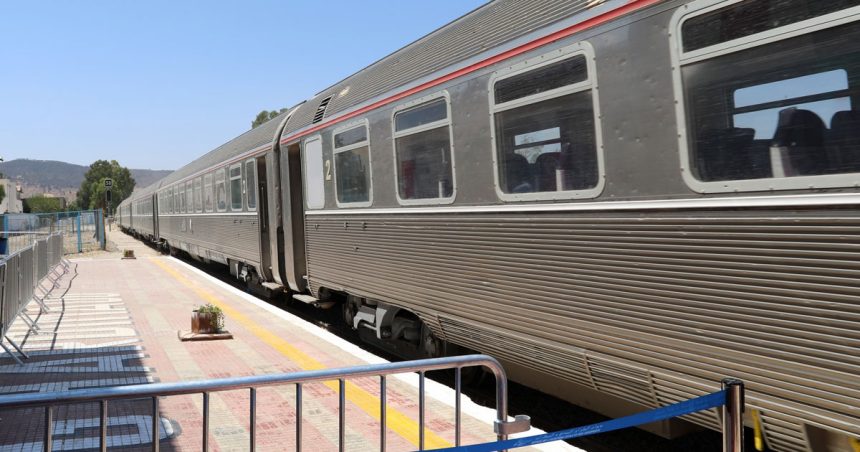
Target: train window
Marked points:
207	193
220	191
236	187
314	176
181	193
189	197
198	195
544	127
751	17
352	166
422	151
251	184
775	108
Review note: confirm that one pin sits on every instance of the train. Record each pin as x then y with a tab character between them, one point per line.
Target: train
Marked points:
624	201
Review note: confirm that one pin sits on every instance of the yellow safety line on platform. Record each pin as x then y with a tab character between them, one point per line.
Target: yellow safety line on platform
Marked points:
397	421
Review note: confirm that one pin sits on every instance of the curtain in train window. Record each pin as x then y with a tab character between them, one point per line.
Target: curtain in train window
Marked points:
220	191
207	193
545	131
352	166
422	147
779	110
251	184
236	188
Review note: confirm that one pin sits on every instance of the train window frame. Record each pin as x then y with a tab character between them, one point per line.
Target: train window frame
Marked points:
170	200
583	48
198	194
220	179
181	193
335	150
305	174
189	196
419	129
247	188
681	58
208	194
230	179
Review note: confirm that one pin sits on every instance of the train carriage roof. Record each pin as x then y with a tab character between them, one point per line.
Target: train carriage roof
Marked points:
486	27
252	139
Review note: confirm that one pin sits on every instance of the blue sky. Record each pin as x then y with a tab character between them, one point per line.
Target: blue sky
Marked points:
155	84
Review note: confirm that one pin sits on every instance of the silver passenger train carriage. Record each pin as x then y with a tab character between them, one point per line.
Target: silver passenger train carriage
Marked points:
624	201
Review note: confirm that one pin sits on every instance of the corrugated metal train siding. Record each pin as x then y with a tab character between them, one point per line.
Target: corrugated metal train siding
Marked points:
636	303
235	236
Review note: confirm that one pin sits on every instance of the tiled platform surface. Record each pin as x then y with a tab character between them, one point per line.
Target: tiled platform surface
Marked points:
115	322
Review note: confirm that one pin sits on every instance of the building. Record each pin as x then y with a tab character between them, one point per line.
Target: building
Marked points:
12	201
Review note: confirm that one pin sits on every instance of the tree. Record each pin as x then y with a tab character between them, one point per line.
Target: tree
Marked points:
42	204
2	192
266	115
92	192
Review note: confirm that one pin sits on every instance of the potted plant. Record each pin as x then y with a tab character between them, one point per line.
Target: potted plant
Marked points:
207	319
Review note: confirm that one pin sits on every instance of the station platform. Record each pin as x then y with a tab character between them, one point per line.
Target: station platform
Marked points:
115	322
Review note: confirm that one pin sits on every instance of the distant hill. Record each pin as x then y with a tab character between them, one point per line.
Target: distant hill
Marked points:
49	176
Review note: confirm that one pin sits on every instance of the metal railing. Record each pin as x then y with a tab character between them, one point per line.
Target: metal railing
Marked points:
83	230
503	427
29	274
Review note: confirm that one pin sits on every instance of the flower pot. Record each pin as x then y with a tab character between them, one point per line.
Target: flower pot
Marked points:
204	322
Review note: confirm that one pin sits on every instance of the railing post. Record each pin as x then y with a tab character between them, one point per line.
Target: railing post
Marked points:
298	417
342	415
733	416
156	428
383	406
252	407
49	429
205	422
78	223
103	425
458	378
421	410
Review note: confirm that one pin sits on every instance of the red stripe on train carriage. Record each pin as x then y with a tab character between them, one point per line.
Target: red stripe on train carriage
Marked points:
630	7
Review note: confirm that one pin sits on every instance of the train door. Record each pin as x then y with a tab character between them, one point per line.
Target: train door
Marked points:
292	195
258	189
154	213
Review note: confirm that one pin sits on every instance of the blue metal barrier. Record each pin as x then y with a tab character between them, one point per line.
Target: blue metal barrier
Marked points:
730	398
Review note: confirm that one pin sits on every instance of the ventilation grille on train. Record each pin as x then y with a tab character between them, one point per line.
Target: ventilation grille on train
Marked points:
620	379
671	388
564	361
782	432
318	116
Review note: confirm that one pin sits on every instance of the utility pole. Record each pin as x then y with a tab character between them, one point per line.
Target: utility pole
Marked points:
108	186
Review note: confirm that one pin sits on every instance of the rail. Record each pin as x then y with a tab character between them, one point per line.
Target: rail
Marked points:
503	427
29	274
